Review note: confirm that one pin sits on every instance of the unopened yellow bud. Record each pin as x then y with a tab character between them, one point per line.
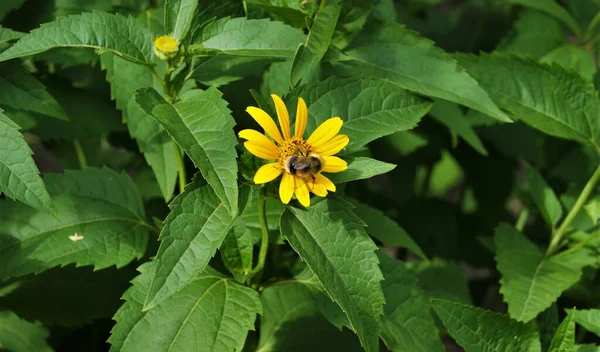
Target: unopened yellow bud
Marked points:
166	47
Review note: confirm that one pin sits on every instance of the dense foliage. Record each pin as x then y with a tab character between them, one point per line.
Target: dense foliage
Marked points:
430	183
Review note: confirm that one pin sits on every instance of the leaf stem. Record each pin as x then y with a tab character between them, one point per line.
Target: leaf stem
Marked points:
264	241
564	226
522	220
581	244
80	154
181	167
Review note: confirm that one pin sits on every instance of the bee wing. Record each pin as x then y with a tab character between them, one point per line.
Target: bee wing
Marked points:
301	164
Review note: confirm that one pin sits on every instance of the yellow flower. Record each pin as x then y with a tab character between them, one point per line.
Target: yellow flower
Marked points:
166	47
285	149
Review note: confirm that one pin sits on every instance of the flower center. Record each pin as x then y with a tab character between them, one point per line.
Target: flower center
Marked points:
166	44
293	146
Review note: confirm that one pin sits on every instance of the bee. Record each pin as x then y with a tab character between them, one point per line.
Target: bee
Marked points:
304	167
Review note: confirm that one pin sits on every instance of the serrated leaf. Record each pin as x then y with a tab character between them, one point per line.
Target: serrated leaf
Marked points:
551	8
564	340
21	91
102	223
317	42
96	30
289	11
193	231
451	116
244	37
370	107
566	106
589	319
202	125
574	59
360	168
477	330
236	251
531	282
8	35
385	229
392	52
407	323
544	197
330	239
19	335
179	15
19	176
211	313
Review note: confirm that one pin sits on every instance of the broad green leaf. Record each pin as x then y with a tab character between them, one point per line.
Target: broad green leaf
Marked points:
244	37
76	7
332	242
95	30
193	231
19	176
317	43
586	348
451	116
21	91
221	70
275	79
564	340
392	52
288	11
544	197
444	280
179	15
536	34
360	168
236	251
202	125
71	296
572	58
385	229
589	319
370	107
18	335
101	223
531	282
7	6
477	330
157	146
407	323
564	108
292	321
7	35
211	313
552	8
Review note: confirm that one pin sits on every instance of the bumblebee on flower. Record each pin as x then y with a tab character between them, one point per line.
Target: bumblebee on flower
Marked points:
301	162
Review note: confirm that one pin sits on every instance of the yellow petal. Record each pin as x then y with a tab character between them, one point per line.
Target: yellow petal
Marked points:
333	146
301	118
266	122
325	132
261	151
267	173
258	138
286	188
317	188
334	164
302	192
282	115
320	179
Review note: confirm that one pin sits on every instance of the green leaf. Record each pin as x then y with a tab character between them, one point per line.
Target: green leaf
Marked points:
211	313
18	335
564	340
317	43
360	168
589	319
244	37
289	11
451	116
236	251
392	52
407	323
7	6
159	151
21	91
202	125
572	58
477	330
531	282
193	231
586	348
385	229
544	197
179	15
221	70
330	239
444	280
8	35
371	108
551	8
96	30
19	176
565	108
102	223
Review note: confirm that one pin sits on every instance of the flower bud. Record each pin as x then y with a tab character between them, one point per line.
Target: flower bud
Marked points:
166	47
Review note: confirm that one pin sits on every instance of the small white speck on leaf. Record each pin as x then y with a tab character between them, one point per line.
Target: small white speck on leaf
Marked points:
76	237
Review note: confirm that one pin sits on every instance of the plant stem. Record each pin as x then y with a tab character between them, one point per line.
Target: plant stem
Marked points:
181	167
264	240
564	226
522	220
80	154
581	244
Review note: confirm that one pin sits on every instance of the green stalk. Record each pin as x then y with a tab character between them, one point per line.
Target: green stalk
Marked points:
522	220
80	154
581	244
564	226
181	167
264	240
